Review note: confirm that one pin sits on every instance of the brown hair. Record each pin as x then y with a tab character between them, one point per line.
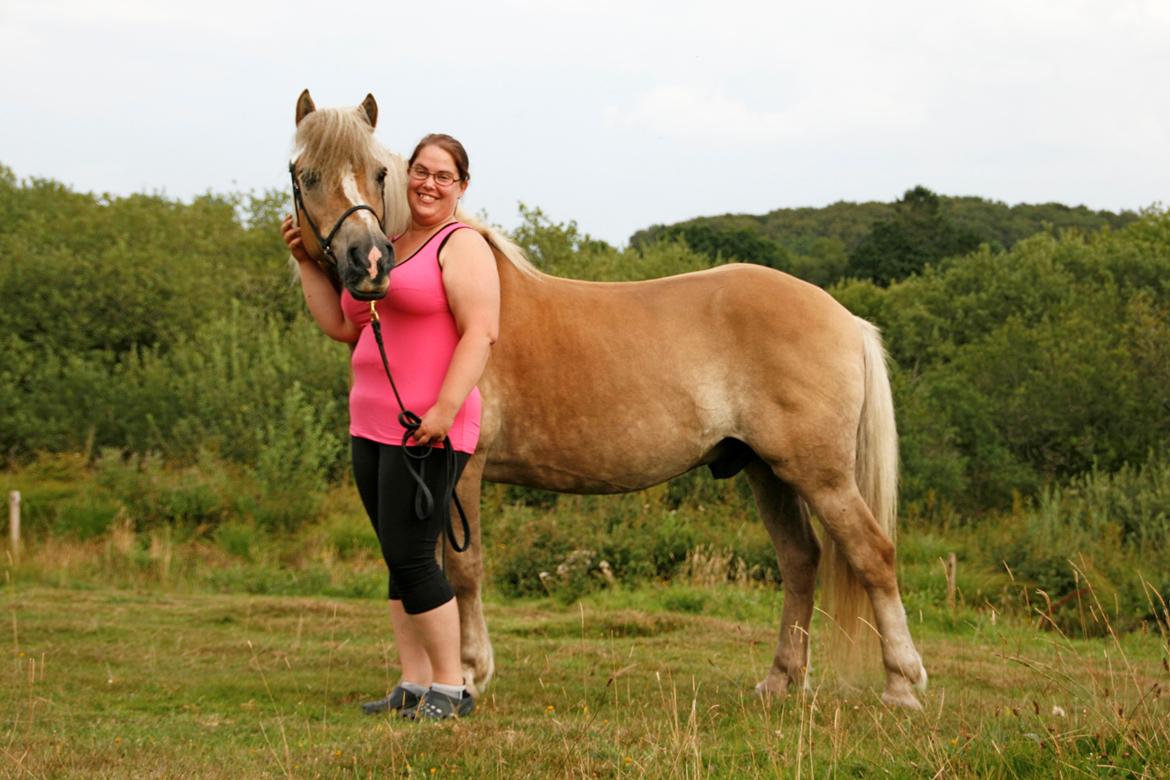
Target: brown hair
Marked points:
448	145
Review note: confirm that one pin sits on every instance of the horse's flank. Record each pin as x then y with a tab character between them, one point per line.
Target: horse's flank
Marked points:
618	386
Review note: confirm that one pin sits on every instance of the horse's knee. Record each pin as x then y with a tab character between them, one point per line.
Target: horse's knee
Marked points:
857	535
466	580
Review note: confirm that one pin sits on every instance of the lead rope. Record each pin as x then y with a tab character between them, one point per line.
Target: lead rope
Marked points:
424	501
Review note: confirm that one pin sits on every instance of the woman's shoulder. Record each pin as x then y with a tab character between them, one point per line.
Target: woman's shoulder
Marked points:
464	239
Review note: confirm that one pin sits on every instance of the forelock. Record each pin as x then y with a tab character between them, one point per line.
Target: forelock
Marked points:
333	140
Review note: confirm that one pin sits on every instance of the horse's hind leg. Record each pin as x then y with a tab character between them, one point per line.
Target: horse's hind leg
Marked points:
798	553
870	555
465	573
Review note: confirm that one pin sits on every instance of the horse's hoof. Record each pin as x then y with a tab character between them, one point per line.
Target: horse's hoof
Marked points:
767	689
478	673
783	687
920	683
898	694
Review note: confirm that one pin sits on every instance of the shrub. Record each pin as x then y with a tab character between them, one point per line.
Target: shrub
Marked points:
238	539
85	516
1103	533
351	536
296	453
592	542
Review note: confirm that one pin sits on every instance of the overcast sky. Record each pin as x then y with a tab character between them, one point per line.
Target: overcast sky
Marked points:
615	114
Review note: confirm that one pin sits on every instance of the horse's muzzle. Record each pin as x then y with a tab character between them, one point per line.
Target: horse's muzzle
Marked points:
365	270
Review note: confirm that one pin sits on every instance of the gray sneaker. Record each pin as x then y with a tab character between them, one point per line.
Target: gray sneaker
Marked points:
439	706
399	700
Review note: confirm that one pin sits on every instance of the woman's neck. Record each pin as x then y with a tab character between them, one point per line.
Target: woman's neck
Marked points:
418	228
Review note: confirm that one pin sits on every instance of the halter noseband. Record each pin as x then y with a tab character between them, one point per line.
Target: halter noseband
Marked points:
325	242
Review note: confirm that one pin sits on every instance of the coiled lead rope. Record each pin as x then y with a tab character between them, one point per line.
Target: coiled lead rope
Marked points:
424	500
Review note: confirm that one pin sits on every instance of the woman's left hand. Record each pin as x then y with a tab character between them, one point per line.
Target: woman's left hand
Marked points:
434	426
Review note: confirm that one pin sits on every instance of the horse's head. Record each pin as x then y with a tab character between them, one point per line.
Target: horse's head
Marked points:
348	193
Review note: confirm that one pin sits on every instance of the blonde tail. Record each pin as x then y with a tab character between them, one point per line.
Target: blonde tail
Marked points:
877	479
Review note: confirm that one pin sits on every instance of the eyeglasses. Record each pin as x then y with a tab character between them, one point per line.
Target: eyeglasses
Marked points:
442	178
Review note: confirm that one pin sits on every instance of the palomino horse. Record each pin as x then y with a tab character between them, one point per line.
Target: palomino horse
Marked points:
608	388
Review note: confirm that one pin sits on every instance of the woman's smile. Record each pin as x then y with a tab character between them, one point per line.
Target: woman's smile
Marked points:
431	200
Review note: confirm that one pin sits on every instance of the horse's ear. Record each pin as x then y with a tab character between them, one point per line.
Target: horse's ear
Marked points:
305	106
370	106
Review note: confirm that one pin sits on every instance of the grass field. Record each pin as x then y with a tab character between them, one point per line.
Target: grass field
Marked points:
156	682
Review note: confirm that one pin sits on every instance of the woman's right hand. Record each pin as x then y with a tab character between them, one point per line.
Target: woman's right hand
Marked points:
292	236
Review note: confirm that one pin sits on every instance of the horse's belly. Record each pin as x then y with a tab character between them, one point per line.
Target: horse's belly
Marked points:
605	468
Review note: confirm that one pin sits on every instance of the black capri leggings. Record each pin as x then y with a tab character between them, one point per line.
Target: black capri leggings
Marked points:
408	543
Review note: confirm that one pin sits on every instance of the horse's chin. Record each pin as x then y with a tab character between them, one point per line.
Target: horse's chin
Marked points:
367	295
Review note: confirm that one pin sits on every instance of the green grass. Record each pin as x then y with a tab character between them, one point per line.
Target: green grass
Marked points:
151	682
139	647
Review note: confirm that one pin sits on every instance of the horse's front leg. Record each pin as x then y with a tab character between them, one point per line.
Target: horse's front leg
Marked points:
465	573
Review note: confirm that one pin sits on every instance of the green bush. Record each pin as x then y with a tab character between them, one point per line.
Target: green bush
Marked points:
592	542
85	516
1103	536
296	454
1023	368
238	539
1032	381
155	494
561	249
351	535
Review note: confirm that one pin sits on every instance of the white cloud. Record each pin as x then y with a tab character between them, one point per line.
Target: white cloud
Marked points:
843	98
226	16
704	115
687	112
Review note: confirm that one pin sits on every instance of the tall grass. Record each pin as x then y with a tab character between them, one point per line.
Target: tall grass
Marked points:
109	682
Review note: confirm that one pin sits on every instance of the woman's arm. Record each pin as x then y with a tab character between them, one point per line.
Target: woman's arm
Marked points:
323	301
473	292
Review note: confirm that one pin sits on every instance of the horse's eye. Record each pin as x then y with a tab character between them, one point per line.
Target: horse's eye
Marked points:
309	179
381	177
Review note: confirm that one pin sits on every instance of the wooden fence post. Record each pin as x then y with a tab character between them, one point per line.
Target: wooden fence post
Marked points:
950	569
14	524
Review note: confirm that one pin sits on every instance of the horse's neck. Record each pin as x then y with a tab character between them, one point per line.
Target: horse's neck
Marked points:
515	285
520	291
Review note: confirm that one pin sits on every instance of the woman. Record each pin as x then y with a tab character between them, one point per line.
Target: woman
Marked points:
441	317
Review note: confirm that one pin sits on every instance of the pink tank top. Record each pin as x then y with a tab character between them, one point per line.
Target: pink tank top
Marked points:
420	334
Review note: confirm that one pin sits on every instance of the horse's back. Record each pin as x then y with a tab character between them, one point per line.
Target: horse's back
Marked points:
613	386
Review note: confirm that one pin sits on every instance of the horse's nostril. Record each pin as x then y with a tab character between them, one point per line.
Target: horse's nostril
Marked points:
366	261
354	256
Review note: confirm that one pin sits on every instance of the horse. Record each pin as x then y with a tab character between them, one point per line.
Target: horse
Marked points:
739	368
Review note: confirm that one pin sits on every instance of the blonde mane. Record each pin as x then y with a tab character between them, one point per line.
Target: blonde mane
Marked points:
502	244
332	140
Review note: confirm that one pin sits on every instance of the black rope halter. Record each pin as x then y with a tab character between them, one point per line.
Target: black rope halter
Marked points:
326	242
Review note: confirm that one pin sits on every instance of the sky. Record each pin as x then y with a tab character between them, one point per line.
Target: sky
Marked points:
615	114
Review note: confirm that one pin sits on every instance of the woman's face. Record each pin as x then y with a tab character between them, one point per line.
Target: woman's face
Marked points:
430	202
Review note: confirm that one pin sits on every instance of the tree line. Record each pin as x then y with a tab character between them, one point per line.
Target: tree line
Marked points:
145	325
881	242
